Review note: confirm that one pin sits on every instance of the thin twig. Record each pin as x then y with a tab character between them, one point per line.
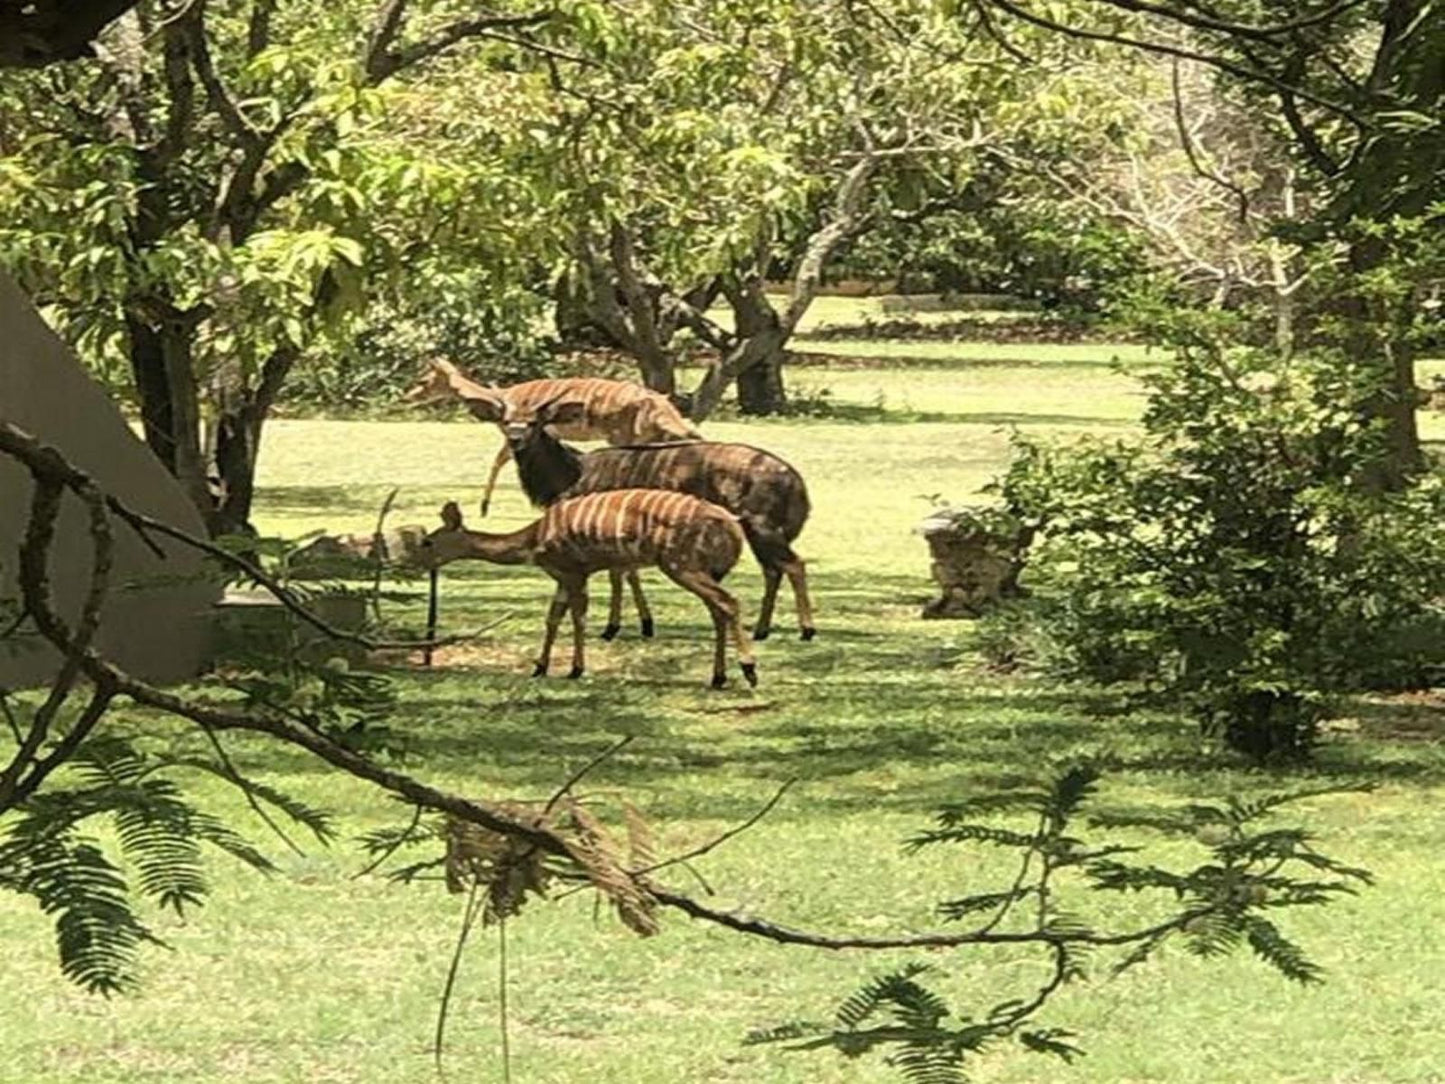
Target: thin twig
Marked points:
576	777
469	918
1241	72
86	722
377	547
1187	142
9	714
239	783
718	841
14	626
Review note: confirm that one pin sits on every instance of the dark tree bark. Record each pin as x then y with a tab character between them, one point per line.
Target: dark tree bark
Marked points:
760	387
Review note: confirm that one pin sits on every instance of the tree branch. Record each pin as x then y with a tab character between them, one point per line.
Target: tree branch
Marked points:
384	57
221	100
1265	34
258	27
1187	142
1248	74
848	215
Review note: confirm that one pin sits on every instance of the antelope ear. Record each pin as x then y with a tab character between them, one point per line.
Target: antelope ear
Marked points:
452	516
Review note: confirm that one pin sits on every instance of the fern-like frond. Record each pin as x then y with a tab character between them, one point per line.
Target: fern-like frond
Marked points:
1051	1041
1242	810
1217	933
1279	952
869	998
96	931
928	1063
316	821
641	843
1070	790
954	910
973	833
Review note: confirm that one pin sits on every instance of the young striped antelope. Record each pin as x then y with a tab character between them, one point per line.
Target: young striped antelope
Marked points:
616	411
693	542
765	493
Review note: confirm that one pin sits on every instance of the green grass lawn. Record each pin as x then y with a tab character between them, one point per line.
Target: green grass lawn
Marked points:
315	976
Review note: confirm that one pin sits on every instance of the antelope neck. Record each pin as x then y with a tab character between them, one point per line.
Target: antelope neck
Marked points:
548	467
511	548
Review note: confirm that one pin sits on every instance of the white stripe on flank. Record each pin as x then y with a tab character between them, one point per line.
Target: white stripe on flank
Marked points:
619	518
599	513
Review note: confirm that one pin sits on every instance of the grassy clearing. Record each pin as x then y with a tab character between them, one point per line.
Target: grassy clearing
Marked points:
313	976
832	311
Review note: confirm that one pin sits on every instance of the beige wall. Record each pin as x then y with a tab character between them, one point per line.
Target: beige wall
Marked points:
157	620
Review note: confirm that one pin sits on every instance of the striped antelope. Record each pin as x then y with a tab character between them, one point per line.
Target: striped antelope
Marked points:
765	493
616	411
695	544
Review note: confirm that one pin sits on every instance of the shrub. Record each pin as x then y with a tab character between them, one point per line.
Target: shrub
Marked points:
1233	562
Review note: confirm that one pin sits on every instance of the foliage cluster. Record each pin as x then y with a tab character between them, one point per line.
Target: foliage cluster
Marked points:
1249	872
1062	256
1237	560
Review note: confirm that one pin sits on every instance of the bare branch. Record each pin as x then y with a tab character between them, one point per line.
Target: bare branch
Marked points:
100	699
1187	142
1265	34
577	776
383	34
999	37
789	935
1253	75
719	840
848	216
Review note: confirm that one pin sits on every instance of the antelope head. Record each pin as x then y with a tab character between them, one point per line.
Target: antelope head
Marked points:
446	543
443	381
522	426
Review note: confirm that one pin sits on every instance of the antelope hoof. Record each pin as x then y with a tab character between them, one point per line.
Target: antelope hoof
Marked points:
540	670
719	680
762	632
484	508
611	631
809	633
575	672
646	628
750	671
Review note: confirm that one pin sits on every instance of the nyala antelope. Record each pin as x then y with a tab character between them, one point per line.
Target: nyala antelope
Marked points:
765	493
695	544
616	411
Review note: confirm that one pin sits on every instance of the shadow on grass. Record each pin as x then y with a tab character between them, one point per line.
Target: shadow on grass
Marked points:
879	712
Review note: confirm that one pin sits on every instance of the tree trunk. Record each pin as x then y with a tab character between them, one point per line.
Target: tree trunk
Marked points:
756	350
148	370
161	364
1378	338
659	371
760	386
238	443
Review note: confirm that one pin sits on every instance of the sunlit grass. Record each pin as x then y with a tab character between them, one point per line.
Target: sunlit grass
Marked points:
313	976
